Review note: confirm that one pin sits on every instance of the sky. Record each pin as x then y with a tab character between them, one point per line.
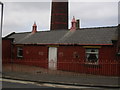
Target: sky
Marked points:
20	16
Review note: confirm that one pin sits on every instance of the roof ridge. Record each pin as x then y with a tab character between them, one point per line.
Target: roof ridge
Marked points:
98	27
60	30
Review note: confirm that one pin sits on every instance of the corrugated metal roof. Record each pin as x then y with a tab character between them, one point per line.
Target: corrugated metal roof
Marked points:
83	36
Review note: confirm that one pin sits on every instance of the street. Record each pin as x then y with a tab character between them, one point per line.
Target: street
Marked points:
7	83
20	85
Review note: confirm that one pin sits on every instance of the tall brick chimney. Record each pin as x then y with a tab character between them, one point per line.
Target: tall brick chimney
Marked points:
59	15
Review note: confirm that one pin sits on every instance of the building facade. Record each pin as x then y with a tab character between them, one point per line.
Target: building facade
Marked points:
96	53
82	50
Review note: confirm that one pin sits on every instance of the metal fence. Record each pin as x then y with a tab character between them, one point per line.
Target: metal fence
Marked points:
106	68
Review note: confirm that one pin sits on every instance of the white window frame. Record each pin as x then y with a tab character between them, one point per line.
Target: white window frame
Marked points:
19	49
118	52
88	52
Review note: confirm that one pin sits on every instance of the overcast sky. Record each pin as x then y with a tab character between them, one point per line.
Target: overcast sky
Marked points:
20	16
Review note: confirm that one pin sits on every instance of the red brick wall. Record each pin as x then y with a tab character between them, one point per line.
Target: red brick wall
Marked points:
71	58
33	55
6	50
67	60
59	15
108	65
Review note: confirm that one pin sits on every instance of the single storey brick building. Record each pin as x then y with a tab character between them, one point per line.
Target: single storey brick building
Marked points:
82	50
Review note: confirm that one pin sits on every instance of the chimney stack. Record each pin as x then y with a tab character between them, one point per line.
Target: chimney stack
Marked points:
74	24
59	15
78	24
34	28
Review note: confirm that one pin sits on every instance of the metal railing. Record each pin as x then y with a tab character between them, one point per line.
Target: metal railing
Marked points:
104	68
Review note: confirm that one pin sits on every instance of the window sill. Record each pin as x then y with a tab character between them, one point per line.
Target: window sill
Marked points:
92	65
89	63
20	57
118	54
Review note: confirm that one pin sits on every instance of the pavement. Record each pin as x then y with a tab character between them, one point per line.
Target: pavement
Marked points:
41	75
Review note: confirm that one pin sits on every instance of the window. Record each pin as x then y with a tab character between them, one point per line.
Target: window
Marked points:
118	51
92	55
76	55
20	52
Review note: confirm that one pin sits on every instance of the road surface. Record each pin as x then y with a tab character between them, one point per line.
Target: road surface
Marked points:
7	83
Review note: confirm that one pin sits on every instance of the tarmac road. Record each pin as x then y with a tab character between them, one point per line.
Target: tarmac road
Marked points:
7	83
19	85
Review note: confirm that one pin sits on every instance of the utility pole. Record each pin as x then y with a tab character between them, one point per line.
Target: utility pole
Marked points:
1	25
2	5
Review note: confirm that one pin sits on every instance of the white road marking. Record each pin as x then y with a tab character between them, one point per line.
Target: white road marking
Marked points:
17	81
64	86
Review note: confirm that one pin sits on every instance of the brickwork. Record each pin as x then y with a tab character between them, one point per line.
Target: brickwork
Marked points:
59	15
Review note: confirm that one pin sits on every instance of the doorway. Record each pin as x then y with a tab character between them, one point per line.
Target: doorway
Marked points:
52	61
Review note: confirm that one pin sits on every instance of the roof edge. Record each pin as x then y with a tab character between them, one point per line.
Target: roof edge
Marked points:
66	44
9	35
99	27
